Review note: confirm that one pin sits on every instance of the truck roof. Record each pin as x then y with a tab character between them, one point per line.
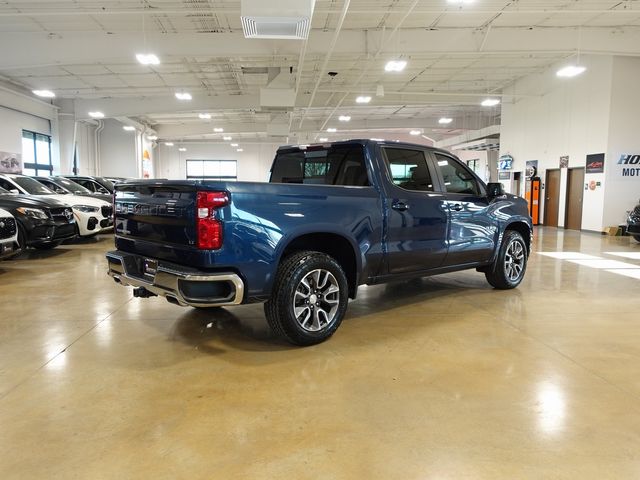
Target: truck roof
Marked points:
362	141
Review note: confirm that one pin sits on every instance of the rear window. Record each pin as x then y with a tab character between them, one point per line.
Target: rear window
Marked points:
336	165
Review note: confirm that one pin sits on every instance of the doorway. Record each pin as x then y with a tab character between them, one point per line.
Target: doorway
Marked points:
517	178
552	197
575	191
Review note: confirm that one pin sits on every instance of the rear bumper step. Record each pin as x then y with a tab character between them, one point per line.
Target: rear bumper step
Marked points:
179	285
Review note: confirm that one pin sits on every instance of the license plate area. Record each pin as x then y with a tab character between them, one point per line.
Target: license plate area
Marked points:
149	267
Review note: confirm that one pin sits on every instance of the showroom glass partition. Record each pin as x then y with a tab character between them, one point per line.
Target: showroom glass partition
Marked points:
212	170
36	154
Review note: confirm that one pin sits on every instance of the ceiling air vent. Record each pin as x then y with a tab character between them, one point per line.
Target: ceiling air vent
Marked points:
277	19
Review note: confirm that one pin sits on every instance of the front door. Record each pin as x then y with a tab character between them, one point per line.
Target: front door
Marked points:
418	216
552	198
472	231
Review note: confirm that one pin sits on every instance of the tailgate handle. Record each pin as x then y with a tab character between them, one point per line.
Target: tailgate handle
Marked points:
400	206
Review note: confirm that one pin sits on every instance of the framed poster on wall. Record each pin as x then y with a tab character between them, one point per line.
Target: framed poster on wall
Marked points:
10	162
595	163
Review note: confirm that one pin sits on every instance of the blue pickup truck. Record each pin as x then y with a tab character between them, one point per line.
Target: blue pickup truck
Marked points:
333	217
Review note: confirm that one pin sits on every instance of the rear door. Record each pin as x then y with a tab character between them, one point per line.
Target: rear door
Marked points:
418	216
472	230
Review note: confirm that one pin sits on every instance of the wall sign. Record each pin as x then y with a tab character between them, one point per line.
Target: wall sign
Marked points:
504	175
10	162
564	161
505	162
595	163
630	165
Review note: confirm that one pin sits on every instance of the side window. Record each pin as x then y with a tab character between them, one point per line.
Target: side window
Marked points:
457	179
86	184
6	185
408	169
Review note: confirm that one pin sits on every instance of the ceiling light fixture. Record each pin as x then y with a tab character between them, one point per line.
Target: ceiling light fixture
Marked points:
129	128
323	139
344	118
227	138
415	132
147	59
218	130
96	114
234	144
363	99
490	102
331	130
205	116
239	150
445	121
152	137
460	2
44	93
395	65
183	96
571	71
169	144
182	149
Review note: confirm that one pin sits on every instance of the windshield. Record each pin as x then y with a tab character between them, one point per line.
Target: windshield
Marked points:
73	187
32	187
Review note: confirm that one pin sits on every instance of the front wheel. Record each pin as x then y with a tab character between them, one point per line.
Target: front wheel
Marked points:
309	298
508	269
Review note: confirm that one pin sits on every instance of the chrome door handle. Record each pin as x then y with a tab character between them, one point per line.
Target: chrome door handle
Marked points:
400	206
457	207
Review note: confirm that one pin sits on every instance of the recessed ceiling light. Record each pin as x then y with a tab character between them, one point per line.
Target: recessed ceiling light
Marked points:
169	144
323	139
415	132
331	130
152	137
129	128
96	114
344	118
445	120
460	2
182	149
227	138
183	96
395	65
44	93
147	59
205	116
234	144
218	130
239	150
571	71
363	99
490	102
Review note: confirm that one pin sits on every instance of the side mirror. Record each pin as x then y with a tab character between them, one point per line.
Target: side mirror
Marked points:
495	190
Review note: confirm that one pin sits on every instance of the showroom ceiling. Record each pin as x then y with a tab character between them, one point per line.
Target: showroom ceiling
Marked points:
456	55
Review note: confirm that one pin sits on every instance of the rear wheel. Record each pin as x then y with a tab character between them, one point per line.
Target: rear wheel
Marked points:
511	263
309	299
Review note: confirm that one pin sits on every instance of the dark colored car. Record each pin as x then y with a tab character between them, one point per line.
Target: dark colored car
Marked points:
42	223
333	217
65	186
633	223
93	184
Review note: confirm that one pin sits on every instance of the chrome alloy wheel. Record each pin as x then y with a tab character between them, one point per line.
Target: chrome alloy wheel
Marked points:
514	261
316	300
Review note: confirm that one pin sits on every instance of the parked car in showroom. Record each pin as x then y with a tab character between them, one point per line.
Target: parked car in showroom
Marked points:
93	184
92	215
64	186
633	222
333	217
8	235
42	222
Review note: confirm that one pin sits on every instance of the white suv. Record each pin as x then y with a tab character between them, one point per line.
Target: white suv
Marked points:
92	215
8	234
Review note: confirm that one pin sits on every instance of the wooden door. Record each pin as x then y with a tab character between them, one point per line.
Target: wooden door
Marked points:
552	198
575	190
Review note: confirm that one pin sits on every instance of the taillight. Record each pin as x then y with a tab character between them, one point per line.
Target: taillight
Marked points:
208	226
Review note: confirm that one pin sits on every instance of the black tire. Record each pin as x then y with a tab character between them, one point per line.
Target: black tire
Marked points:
46	246
637	238
279	310
501	275
22	238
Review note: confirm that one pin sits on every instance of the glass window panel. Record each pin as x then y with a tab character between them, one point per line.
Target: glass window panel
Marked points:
27	150
211	169
228	169
457	179
28	171
195	168
408	169
42	150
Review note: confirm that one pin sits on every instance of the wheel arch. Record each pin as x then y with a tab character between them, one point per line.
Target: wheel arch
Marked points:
523	229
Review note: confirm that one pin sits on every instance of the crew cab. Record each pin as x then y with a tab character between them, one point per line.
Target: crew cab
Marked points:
333	217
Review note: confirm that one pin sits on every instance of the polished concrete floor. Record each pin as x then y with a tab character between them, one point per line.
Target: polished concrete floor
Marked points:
440	378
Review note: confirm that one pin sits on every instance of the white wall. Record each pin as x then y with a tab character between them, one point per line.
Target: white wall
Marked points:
561	117
253	163
13	122
622	193
117	151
